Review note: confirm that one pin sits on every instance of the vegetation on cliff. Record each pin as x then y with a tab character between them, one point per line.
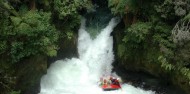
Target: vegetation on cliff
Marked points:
33	27
156	32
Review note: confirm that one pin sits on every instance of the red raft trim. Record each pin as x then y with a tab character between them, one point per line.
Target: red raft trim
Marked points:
110	87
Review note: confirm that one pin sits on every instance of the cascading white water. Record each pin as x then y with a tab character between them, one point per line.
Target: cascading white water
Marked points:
80	75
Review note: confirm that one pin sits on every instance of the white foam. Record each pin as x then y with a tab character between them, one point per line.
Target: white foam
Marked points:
80	75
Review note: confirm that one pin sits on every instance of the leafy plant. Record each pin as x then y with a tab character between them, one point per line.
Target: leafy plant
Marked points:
137	32
187	17
171	9
121	50
123	6
165	64
70	7
31	34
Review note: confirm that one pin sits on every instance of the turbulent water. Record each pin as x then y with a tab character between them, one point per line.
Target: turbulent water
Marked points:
80	75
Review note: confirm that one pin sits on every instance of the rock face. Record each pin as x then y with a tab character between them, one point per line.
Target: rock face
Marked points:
174	78
68	49
29	73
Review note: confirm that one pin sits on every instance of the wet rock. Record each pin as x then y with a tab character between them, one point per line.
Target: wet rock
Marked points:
29	73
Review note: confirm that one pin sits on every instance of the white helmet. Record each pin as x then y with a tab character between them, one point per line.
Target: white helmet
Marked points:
119	79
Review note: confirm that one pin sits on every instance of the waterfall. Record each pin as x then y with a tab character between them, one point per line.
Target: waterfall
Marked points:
80	75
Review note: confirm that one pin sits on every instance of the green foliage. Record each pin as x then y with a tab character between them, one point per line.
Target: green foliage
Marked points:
67	12
69	35
165	64
70	7
7	81
171	9
148	34
187	17
16	20
166	9
123	6
137	32
121	50
25	33
149	40
68	32
117	4
3	46
162	37
45	2
185	71
31	34
23	9
173	57
135	40
15	92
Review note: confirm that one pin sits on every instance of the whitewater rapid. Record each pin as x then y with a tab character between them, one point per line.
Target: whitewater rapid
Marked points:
80	75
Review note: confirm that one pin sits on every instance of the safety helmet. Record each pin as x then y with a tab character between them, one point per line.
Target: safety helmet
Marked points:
119	80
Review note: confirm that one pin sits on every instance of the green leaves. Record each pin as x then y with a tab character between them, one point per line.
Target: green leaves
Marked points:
15	92
23	29
69	35
165	64
171	9
3	46
187	17
31	34
123	6
16	48
16	20
136	41
148	34
67	14
137	32
51	50
69	7
121	50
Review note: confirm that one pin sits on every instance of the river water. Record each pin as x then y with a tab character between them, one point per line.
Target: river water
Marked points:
80	75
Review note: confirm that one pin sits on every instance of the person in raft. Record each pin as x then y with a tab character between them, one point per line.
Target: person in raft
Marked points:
110	80
103	81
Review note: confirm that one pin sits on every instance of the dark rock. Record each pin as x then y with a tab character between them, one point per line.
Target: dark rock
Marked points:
29	73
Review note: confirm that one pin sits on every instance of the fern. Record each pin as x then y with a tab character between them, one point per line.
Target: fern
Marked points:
187	17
